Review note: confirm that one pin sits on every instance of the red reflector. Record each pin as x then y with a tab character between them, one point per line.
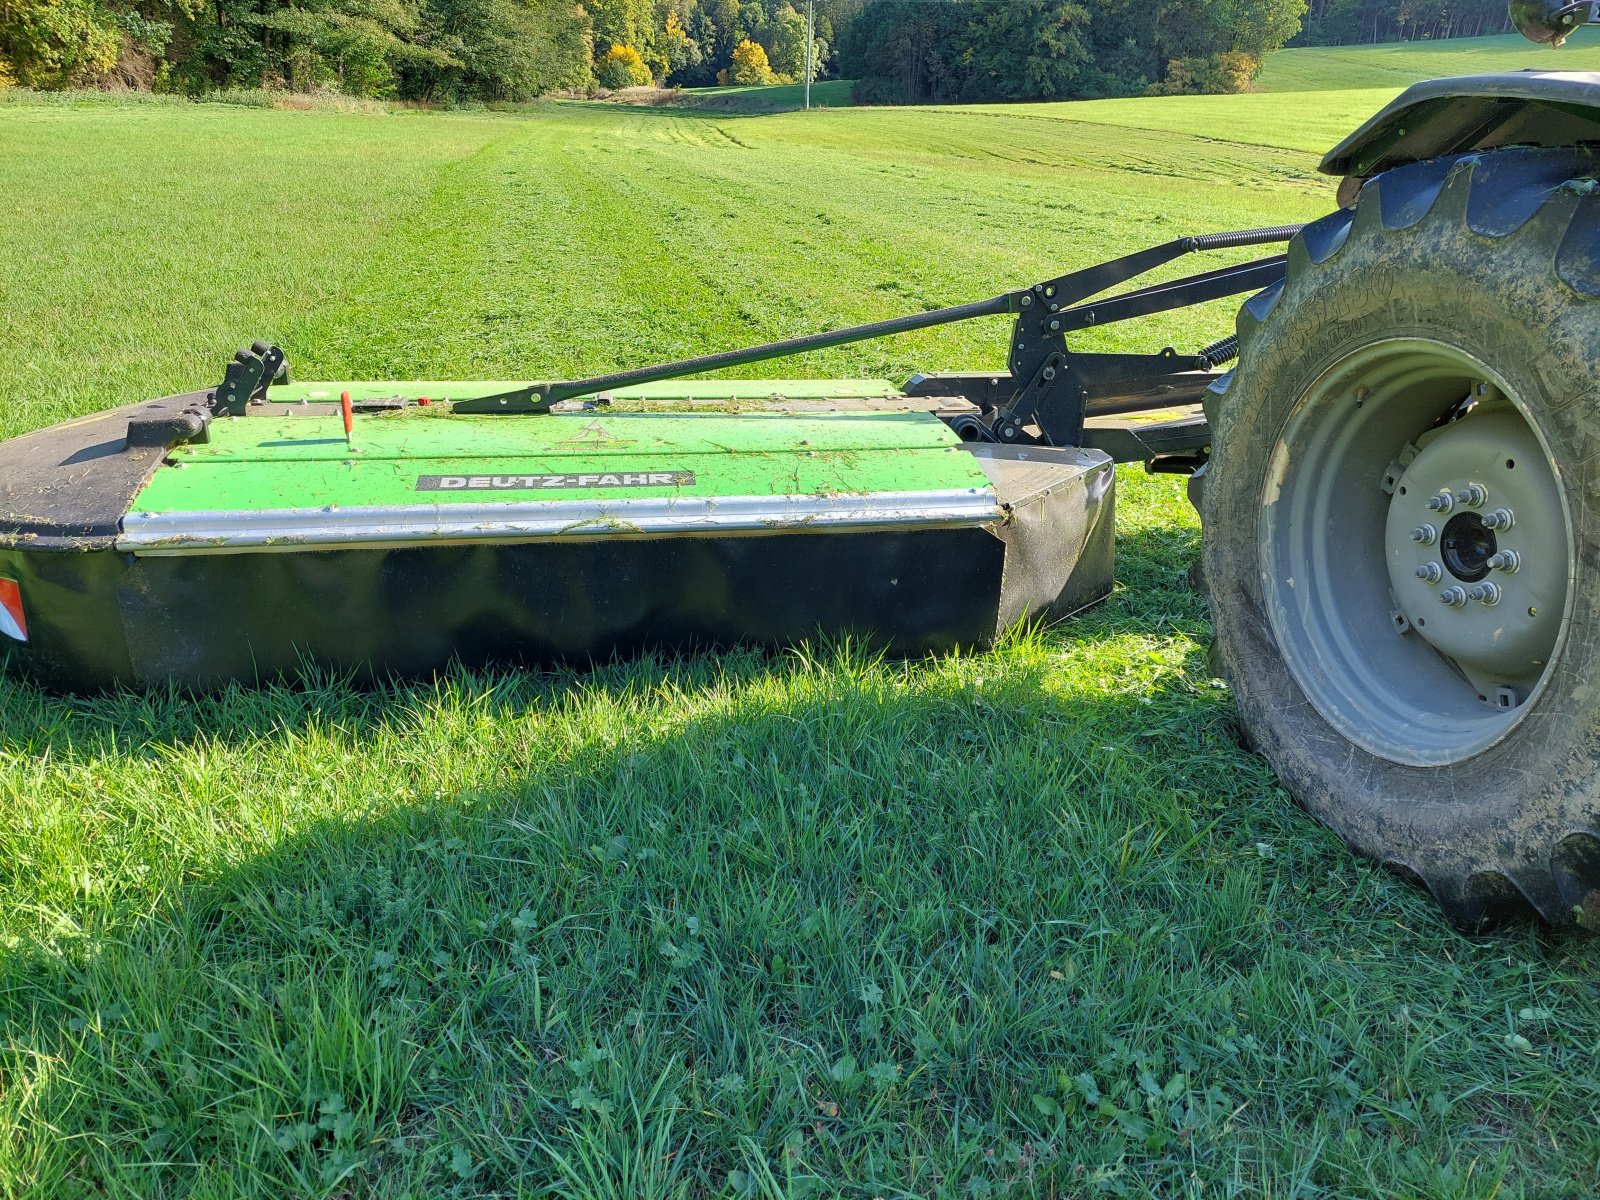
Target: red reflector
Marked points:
12	622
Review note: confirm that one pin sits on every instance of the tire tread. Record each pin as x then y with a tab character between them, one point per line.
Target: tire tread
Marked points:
1496	195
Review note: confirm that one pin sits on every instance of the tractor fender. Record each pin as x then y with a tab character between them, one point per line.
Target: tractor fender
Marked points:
1472	112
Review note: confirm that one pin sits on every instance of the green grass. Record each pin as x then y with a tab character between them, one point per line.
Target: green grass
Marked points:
1308	99
1021	923
1398	64
1232	130
781	97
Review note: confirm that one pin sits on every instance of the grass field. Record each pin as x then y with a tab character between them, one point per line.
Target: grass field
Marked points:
781	97
1328	68
1377	71
1024	923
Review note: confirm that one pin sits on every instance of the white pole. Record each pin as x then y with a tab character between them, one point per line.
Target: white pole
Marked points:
810	6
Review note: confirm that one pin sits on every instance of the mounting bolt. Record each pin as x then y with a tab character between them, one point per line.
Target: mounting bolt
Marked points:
1048	373
1055	326
1504	560
1442	503
1472	496
1430	572
1500	518
1424	534
1026	301
1453	597
1486	593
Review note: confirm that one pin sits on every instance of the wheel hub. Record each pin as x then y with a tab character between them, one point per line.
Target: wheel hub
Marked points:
1484	586
1415	554
1467	546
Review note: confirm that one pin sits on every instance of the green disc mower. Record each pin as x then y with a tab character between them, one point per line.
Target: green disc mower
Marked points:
1398	478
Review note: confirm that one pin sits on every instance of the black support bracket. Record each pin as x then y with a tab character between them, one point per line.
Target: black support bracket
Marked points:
247	378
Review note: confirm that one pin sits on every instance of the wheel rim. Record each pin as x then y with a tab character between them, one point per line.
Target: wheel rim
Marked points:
1416	569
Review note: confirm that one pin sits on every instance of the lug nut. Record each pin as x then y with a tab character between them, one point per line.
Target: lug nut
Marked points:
1504	560
1430	572
1472	496
1442	503
1486	593
1500	518
1424	534
1454	597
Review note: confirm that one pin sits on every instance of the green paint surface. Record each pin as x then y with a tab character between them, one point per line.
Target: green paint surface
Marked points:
266	463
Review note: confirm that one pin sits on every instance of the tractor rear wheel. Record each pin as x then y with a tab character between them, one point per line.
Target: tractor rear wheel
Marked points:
1402	529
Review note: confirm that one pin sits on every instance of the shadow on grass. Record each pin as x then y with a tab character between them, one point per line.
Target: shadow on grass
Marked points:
1021	922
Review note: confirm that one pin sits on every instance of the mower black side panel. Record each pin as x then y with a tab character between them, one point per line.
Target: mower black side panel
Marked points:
104	617
71	602
1473	112
1060	531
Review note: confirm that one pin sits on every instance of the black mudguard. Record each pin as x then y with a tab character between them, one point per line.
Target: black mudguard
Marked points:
1473	112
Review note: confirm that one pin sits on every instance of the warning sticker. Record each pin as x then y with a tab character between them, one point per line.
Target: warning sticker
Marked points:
12	621
539	483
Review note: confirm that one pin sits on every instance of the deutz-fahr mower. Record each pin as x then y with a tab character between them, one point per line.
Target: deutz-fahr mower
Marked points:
1399	485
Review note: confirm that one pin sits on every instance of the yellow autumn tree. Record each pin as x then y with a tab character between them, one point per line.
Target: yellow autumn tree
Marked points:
750	65
621	67
1209	74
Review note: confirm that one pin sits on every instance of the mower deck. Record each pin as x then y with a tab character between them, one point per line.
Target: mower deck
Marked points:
673	515
258	528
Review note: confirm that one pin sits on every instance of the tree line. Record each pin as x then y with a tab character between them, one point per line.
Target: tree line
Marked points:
915	51
428	50
1349	22
897	51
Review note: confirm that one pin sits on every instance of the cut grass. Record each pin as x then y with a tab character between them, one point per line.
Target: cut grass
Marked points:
438	245
1308	99
1027	922
1396	65
781	97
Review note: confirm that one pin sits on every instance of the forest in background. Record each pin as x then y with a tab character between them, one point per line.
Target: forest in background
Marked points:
1354	22
897	51
915	51
429	50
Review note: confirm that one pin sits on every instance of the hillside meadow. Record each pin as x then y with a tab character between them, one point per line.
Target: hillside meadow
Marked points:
1026	923
1339	68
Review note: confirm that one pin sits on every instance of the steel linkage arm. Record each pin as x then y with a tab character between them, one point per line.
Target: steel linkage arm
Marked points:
541	397
1044	313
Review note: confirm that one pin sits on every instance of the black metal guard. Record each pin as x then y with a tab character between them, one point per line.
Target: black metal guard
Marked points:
1044	312
247	378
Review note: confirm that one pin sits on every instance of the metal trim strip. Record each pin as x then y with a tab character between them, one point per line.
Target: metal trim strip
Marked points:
333	528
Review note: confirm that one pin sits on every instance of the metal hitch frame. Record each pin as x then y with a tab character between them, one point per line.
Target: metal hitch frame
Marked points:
1043	397
1047	389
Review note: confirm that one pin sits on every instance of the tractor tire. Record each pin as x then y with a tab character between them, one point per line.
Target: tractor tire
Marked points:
1402	529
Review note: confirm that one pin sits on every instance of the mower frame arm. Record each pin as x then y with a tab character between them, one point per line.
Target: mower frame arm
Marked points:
1043	314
